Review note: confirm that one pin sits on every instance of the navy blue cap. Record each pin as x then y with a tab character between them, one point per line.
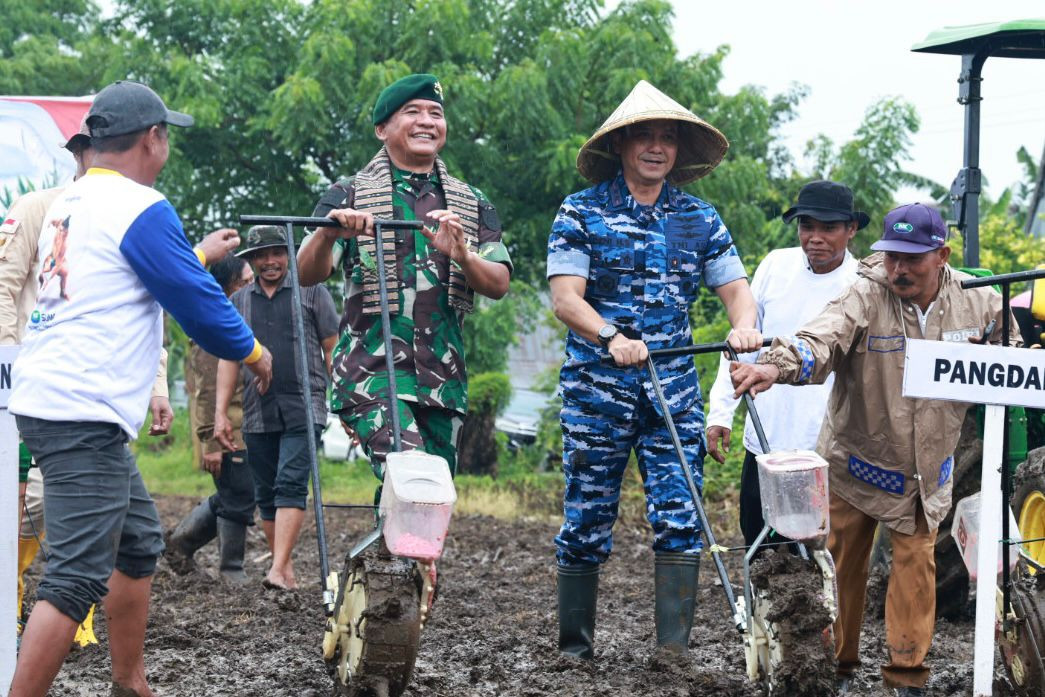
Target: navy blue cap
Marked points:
912	229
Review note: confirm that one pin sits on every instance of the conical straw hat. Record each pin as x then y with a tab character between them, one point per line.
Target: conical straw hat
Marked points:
701	145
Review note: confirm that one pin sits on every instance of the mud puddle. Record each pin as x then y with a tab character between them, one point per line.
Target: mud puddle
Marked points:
492	631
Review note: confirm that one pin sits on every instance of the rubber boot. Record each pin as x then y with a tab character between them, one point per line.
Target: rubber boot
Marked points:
675	588
195	530
578	592
28	547
232	545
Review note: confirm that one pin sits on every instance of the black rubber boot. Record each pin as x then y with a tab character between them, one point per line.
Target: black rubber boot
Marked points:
195	530
675	588
232	545
578	591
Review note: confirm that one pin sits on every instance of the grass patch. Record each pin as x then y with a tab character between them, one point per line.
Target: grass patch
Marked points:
168	468
166	462
518	491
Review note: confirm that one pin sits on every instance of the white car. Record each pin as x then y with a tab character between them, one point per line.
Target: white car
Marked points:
336	443
520	418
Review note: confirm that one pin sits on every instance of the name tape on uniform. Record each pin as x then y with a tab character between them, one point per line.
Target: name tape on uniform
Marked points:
974	373
7	359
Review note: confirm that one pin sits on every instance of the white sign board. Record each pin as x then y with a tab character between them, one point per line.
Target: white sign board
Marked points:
964	372
7	359
8	522
992	375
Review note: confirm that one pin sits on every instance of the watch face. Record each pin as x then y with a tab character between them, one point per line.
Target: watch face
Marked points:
607	332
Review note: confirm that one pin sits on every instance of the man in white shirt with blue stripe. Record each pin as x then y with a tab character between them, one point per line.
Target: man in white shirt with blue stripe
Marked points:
791	286
114	257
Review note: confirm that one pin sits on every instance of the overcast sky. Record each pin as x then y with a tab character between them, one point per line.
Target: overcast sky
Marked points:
851	52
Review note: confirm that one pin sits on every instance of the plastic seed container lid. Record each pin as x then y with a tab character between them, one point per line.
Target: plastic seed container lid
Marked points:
792	460
417	477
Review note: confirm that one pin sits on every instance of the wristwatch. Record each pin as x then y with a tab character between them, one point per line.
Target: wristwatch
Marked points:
606	334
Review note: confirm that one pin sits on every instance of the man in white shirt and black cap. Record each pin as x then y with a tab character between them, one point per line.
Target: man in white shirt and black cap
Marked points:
791	286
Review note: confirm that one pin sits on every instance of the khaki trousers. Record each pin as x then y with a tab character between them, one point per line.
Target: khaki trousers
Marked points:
910	602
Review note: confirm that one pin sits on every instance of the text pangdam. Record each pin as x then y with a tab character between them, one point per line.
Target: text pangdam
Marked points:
984	373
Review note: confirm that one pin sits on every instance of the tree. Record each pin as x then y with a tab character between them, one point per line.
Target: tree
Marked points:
488	395
871	163
282	93
1004	247
42	44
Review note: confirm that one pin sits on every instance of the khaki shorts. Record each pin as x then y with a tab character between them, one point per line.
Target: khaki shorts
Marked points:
33	513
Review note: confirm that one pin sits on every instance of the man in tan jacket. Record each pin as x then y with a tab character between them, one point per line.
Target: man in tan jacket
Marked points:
890	456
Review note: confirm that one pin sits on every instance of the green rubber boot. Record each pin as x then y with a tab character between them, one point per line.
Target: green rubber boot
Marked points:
578	591
675	587
232	546
196	529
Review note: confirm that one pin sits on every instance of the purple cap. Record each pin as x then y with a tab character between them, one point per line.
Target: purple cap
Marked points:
912	229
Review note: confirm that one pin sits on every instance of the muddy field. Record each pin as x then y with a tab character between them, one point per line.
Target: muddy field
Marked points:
493	631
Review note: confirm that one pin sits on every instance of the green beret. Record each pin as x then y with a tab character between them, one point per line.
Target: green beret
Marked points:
416	86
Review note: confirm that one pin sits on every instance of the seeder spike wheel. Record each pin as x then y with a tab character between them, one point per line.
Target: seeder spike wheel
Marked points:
372	638
789	643
1021	646
1022	642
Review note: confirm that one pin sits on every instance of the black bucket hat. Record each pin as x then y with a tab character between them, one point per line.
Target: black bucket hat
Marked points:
827	202
263	237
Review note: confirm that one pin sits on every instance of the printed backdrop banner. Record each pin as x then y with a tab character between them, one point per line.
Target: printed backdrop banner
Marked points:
32	132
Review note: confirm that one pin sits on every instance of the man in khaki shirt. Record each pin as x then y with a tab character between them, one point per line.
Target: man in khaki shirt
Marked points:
890	456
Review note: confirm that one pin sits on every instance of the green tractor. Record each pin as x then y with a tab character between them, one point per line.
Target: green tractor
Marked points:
1022	633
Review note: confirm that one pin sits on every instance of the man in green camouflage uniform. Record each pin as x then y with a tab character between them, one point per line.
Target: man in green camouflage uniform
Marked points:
432	277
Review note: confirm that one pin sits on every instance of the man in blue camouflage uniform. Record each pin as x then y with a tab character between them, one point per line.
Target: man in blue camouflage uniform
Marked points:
625	261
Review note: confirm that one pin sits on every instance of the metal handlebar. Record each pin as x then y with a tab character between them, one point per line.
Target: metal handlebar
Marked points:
1001	279
307	221
718	346
763	442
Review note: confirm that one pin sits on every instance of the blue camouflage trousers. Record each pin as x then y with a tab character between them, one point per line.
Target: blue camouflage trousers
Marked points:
596	445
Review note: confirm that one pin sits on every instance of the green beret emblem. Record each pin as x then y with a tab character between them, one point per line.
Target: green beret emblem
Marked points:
438	89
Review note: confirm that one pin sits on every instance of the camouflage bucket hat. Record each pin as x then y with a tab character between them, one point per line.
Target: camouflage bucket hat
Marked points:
263	237
701	145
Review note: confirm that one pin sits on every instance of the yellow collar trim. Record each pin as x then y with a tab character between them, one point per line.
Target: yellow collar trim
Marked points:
102	170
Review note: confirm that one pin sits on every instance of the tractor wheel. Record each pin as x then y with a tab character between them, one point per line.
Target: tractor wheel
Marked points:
1028	503
376	626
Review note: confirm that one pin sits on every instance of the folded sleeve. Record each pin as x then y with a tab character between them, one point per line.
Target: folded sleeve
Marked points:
569	250
722	263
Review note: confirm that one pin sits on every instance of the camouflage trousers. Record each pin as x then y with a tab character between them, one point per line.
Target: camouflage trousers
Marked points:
596	445
430	429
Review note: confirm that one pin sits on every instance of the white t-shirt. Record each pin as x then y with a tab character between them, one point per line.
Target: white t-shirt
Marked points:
788	294
111	253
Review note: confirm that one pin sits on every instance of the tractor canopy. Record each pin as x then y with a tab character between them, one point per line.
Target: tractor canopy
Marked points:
1022	38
